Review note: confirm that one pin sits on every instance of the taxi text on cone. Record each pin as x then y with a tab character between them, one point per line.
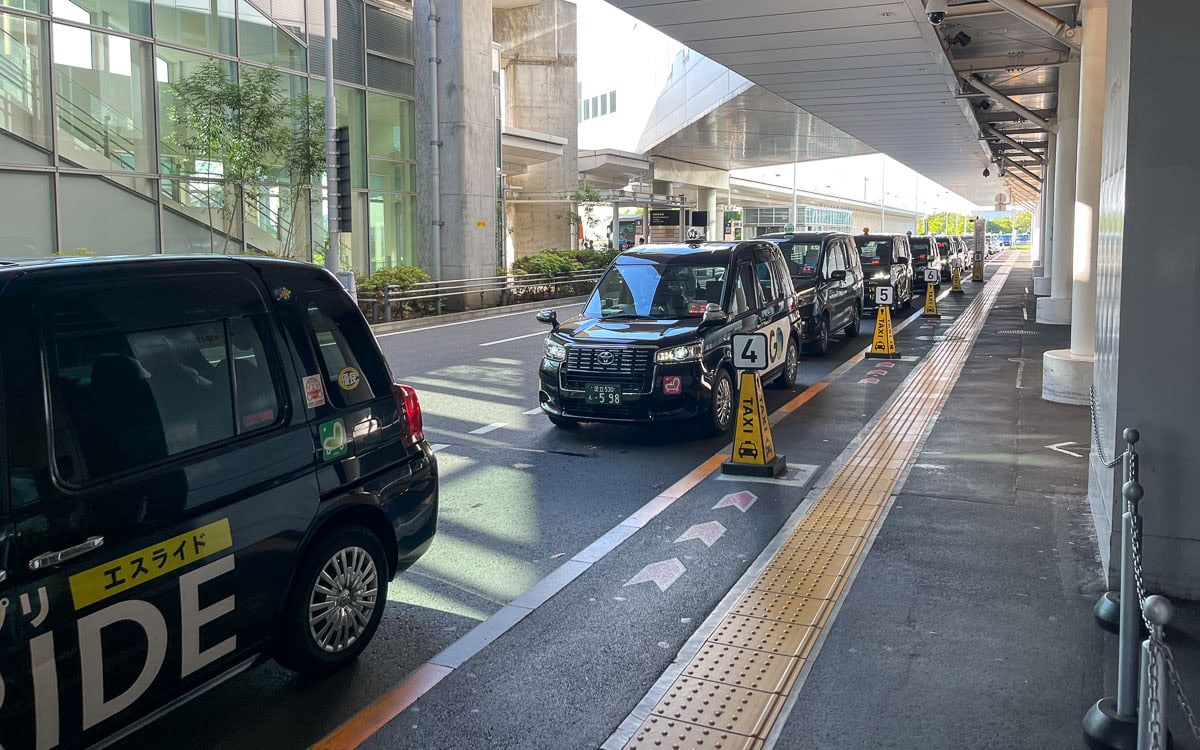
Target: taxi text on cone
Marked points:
931	310
883	343
753	447
956	281
977	268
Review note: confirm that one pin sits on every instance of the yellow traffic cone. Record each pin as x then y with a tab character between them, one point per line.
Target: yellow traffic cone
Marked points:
956	283
883	345
977	270
753	446
930	302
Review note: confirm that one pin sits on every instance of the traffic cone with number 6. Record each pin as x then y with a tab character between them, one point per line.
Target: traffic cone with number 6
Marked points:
931	310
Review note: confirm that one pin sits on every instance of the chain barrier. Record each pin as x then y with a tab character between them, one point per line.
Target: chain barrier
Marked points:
1096	435
1180	694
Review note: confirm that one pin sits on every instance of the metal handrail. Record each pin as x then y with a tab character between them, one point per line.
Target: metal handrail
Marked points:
501	288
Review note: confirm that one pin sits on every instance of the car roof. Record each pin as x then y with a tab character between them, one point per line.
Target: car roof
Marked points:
877	236
74	261
718	252
800	236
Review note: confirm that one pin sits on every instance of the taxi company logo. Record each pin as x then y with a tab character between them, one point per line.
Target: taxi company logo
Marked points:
606	358
776	343
348	379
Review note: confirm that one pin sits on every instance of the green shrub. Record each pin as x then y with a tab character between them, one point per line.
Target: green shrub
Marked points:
549	262
401	276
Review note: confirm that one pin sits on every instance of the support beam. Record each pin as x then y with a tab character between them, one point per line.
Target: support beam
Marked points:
1042	20
1008	62
1035	177
988	130
1005	116
1013	91
1007	102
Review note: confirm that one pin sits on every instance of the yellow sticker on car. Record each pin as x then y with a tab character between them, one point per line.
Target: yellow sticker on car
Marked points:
348	379
132	570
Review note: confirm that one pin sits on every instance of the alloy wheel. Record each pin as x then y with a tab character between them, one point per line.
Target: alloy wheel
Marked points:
343	599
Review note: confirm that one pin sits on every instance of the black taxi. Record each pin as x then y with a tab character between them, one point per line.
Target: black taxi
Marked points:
205	462
886	261
653	341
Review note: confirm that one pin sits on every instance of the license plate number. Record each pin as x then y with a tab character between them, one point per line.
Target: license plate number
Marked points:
608	395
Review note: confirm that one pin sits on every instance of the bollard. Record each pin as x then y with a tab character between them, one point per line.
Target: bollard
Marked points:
1152	725
1112	724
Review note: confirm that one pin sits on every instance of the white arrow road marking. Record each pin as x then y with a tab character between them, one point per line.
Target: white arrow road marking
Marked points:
740	500
438	446
708	533
487	428
534	410
663	573
1059	448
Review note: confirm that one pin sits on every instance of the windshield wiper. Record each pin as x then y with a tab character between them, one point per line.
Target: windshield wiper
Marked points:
615	316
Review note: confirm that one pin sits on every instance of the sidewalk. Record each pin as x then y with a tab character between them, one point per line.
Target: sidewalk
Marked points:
970	624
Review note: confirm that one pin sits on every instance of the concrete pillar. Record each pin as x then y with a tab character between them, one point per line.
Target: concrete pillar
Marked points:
708	202
1041	283
468	135
1056	309
1067	374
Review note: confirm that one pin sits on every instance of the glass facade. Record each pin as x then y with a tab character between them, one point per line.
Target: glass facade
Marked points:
125	128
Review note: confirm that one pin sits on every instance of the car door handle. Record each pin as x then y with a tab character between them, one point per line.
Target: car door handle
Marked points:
54	558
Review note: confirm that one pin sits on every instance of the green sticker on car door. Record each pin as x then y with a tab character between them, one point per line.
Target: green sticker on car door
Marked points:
333	439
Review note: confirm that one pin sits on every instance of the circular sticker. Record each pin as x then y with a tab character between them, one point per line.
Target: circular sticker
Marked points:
348	379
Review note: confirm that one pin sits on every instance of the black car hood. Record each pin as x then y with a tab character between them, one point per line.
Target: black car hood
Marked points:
630	331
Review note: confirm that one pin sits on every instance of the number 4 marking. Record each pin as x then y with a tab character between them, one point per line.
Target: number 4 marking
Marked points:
748	352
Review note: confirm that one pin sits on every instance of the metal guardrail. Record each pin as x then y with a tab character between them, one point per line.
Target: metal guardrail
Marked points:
395	302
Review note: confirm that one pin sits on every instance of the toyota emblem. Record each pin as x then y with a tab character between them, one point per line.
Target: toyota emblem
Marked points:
606	358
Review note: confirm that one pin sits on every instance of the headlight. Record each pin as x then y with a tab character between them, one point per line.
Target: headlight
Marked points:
685	353
881	276
555	352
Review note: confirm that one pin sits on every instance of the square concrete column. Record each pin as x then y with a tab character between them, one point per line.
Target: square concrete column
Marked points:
1041	283
1067	373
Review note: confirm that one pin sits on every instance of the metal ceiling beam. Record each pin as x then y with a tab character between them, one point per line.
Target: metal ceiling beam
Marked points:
1007	102
990	131
1020	131
1008	62
974	10
1032	175
1014	91
1042	20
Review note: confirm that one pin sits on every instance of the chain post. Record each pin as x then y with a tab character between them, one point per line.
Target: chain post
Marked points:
1151	717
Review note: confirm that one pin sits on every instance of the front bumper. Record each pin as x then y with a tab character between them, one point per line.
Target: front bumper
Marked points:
561	394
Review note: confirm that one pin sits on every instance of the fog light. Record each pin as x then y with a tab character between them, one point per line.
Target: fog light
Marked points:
672	385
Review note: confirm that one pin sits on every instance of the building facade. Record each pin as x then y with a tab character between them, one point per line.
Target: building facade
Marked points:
103	151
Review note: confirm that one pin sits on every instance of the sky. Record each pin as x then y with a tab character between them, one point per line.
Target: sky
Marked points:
616	52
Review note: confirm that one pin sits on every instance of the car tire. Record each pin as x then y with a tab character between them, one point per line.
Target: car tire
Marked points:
819	346
854	327
721	405
791	365
352	560
564	423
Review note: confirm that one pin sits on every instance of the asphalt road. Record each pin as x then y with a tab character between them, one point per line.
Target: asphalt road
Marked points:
517	496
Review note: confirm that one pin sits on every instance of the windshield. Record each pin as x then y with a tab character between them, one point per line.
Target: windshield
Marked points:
802	258
645	289
874	252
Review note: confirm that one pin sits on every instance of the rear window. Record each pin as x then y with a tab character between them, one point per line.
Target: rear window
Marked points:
354	370
124	395
802	258
874	252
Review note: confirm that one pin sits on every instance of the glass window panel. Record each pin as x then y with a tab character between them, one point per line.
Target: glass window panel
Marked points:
33	6
261	41
392	230
390	127
388	33
26	215
393	176
390	75
348	47
199	217
277	221
172	66
24	91
350	113
87	206
612	101
203	24
105	102
604	105
120	15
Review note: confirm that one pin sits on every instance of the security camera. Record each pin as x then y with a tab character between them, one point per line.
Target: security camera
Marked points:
936	10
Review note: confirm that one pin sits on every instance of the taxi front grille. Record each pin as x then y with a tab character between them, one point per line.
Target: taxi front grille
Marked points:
625	367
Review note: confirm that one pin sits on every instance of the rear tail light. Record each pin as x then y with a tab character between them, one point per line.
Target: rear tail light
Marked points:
407	402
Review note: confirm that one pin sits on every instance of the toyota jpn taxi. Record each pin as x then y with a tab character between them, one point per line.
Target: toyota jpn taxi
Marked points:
653	341
204	462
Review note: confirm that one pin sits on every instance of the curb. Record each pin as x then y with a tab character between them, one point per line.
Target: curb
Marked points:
433	320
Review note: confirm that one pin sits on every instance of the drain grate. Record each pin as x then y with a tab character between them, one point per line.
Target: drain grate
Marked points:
1017	333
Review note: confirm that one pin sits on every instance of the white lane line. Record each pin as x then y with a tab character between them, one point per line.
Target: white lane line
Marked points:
515	338
534	410
438	446
488	428
474	320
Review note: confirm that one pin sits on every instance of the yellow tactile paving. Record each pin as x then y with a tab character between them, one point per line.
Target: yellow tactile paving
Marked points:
742	667
732	691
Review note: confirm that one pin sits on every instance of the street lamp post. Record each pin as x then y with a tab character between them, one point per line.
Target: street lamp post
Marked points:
334	249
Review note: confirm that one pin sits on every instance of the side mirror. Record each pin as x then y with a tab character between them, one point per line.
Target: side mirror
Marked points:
838	275
549	317
714	314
